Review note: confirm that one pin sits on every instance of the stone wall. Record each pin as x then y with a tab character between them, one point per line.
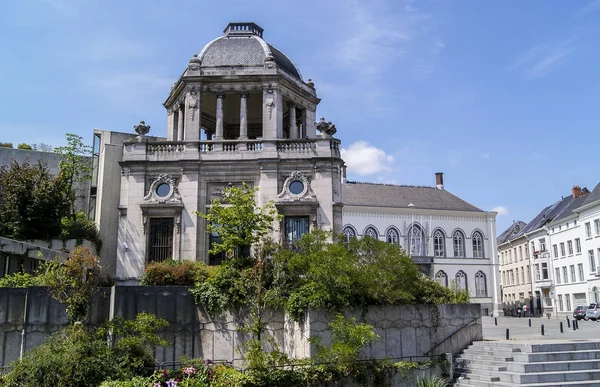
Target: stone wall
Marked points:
405	331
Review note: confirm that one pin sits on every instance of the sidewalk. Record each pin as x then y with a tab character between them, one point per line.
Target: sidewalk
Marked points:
519	329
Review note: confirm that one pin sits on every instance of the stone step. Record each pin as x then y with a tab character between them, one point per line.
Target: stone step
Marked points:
550	378
491	358
538	347
479	383
556	356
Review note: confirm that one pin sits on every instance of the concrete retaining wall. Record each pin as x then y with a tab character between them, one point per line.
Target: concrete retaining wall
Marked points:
405	331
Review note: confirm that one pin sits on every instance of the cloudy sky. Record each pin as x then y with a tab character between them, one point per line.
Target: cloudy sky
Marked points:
501	96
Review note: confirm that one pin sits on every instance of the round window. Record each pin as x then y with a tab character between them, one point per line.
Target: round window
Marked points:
296	187
163	190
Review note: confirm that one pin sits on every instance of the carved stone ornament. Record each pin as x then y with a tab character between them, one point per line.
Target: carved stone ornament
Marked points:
296	187
192	103
270	102
270	62
163	190
325	128
141	129
194	63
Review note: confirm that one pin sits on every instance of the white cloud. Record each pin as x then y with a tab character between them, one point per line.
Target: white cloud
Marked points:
501	210
108	48
377	36
592	7
364	159
542	59
131	91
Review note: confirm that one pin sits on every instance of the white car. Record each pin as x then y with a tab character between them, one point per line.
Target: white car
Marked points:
592	312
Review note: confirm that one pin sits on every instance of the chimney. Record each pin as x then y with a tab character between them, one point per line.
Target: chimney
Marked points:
577	192
439	180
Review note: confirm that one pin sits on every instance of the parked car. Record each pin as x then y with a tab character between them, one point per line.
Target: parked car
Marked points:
592	312
580	312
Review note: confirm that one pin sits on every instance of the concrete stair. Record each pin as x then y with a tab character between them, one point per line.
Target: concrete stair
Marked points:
506	363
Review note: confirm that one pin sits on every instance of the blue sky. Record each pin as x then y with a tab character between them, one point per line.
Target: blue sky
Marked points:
501	96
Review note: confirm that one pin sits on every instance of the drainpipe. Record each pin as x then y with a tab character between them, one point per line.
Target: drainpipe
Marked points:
24	327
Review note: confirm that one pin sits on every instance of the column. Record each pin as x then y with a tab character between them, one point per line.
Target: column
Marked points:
180	114
192	120
293	126
243	116
170	115
219	129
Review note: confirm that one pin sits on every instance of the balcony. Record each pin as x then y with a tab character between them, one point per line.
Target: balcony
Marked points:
231	149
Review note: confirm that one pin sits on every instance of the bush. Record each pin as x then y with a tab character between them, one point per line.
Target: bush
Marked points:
176	273
79	357
81	228
6	145
24	146
21	280
71	358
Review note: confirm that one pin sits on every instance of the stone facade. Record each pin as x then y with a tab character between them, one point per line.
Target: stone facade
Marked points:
249	120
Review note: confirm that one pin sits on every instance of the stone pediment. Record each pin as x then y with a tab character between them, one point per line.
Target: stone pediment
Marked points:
297	189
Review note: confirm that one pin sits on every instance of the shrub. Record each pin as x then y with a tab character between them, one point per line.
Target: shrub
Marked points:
24	146
176	273
71	358
20	280
79	357
80	228
6	145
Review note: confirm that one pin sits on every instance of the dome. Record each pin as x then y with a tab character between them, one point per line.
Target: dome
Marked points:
243	46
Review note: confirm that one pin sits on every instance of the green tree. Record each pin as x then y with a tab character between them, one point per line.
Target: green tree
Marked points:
31	202
74	167
6	145
24	146
75	282
239	221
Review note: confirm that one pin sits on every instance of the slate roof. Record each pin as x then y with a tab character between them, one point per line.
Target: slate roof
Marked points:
511	232
244	51
573	204
556	211
593	196
400	196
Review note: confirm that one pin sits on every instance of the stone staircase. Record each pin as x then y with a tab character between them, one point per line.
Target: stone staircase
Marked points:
507	363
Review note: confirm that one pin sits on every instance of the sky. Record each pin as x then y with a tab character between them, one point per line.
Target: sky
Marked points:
502	97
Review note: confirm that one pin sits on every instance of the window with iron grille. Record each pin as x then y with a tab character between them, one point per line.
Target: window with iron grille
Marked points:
295	227
160	239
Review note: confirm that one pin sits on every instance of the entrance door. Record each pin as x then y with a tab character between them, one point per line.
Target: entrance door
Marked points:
160	241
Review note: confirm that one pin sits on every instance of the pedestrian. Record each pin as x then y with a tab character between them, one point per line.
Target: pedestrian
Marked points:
519	311
524	310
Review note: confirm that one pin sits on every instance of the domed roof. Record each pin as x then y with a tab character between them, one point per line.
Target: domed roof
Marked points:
243	46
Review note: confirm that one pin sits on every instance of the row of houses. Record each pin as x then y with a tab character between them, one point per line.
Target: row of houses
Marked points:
552	263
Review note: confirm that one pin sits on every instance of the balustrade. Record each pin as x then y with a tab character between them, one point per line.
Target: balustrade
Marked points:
165	147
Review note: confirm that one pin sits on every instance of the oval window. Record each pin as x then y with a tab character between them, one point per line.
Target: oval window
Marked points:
296	187
163	190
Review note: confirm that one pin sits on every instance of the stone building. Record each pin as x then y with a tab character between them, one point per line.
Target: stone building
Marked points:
241	112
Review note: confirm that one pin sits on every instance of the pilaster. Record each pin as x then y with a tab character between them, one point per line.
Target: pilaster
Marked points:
192	124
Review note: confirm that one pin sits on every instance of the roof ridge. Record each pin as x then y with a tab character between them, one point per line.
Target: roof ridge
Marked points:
390	184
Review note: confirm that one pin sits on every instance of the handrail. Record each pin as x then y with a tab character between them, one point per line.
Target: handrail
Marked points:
451	335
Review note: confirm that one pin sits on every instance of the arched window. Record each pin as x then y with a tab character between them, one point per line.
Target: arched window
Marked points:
392	236
458	239
416	240
371	233
461	280
348	233
439	244
477	245
442	278
480	285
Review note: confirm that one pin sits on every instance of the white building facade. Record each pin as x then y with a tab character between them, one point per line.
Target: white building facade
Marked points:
452	240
